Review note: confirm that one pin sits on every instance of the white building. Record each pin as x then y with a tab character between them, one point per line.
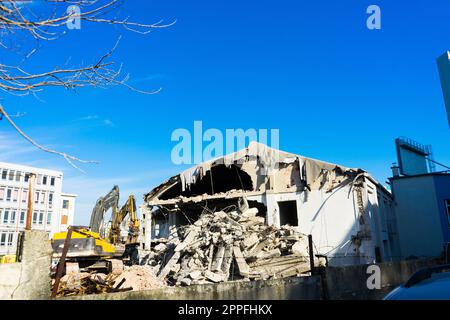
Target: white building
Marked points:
67	211
53	211
348	213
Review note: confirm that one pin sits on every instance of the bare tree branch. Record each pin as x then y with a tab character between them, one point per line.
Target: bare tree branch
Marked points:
17	19
66	156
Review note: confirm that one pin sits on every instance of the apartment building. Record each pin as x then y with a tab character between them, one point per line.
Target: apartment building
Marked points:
52	211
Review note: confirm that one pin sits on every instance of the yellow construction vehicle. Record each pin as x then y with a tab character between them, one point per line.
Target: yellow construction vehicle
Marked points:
131	241
93	247
11	258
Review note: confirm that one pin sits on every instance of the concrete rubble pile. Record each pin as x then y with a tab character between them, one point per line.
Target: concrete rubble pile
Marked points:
130	278
223	246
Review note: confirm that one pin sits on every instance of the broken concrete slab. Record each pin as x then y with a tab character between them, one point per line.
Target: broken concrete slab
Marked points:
214	277
195	275
218	259
268	254
242	265
250	240
173	260
251	212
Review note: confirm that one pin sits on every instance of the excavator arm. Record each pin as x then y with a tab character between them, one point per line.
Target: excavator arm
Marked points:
109	201
129	208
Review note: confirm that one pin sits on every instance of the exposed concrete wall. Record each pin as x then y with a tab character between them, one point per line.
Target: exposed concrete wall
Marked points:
340	283
9	279
29	279
351	282
303	288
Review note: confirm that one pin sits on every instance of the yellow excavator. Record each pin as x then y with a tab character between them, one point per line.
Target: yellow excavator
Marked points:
96	246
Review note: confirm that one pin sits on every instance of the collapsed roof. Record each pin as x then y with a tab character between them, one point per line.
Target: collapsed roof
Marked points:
251	171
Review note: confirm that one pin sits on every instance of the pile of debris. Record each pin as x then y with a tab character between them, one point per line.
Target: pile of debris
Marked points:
131	278
222	246
139	278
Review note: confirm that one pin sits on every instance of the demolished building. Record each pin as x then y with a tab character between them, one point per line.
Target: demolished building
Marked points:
347	212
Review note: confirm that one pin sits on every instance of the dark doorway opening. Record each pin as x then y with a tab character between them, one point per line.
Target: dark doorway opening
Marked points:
288	213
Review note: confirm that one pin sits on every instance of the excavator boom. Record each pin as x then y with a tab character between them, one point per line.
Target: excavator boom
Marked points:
110	200
129	208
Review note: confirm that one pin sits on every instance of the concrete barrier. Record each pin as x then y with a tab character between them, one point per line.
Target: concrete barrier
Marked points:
345	283
338	283
30	278
296	288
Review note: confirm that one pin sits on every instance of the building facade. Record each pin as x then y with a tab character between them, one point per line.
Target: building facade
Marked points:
48	201
422	209
348	213
67	211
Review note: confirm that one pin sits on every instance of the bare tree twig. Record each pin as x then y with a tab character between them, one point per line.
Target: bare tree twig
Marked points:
68	157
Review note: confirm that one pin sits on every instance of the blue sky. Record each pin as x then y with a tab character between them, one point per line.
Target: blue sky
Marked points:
335	90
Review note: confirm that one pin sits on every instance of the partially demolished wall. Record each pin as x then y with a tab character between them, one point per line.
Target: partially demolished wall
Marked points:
312	196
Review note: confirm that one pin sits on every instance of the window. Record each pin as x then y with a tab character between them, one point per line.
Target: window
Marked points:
49	218
35	217
6	216
65	204
42	197
50	198
11	175
27	177
41	217
2	193
10	239
18	174
39	179
15	196
4	174
22	217
2	239
13	217
36	197
447	207
44	180
24	196
8	194
288	213
52	181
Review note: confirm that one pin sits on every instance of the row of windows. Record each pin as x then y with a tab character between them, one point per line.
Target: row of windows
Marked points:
9	216
12	194
16	175
6	239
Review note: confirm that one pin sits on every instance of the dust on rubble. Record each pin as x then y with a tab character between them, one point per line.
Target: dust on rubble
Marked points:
131	278
139	278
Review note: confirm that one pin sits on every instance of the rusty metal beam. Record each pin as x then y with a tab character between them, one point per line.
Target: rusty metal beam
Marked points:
31	180
62	262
